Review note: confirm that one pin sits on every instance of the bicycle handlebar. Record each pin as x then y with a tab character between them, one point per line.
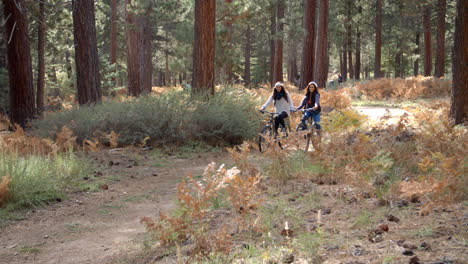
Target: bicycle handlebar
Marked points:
304	110
266	112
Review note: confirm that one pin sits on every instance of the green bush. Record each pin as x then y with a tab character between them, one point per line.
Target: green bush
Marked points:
171	118
36	180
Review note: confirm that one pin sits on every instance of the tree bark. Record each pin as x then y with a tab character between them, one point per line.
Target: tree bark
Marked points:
278	65
139	52
272	41
40	59
378	39
459	97
86	53
357	69
247	55
227	41
398	70
416	52
147	53
349	44
204	47
113	54
345	64
321	68
292	63
427	41
19	62
440	53
308	49
134	37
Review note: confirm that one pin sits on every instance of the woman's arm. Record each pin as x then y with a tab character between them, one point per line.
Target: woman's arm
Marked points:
303	103
268	102
317	100
291	103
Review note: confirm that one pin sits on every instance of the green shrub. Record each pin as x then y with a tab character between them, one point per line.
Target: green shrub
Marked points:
36	180
170	118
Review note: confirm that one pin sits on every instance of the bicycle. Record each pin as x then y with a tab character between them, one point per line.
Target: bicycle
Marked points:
267	133
311	133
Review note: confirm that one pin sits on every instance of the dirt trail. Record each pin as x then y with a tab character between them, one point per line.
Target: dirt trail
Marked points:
96	227
375	112
93	227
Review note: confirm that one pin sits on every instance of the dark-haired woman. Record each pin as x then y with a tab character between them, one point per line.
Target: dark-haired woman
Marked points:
283	104
311	100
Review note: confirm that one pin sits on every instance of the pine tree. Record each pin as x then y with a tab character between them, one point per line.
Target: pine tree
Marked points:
278	62
40	58
22	105
427	41
86	54
321	68
204	47
459	98
308	48
378	39
440	52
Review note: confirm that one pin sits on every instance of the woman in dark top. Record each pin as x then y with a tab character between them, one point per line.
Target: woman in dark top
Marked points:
311	100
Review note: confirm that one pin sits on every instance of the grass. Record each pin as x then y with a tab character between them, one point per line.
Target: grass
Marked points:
37	180
40	180
75	227
423	232
31	250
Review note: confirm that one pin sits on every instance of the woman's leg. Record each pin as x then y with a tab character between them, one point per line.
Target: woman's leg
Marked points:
279	119
316	118
306	116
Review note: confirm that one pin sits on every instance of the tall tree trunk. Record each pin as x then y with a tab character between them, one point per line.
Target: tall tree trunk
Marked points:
398	70
357	70
147	53
227	40
341	62
278	66
345	64
378	39
139	51
321	65
440	53
3	42
459	98
40	59
204	47
19	62
272	41
416	53
349	34
308	49
247	55
113	54
292	62
86	53
427	41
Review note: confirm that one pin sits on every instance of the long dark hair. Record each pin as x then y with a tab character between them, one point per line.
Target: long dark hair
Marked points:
278	95
311	95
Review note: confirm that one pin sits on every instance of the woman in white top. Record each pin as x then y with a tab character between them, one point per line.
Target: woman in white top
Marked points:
283	104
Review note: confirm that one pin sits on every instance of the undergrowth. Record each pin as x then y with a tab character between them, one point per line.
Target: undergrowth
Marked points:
169	118
37	180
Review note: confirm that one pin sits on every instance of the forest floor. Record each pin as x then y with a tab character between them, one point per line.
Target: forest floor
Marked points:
104	226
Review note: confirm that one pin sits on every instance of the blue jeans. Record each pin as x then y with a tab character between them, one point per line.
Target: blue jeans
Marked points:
314	116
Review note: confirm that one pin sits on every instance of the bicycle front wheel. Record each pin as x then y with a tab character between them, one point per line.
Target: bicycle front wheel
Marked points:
263	139
301	128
